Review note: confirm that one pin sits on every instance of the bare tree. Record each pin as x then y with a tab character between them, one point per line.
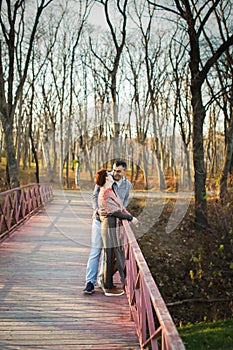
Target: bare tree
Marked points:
83	12
155	80
138	107
102	96
181	108
223	97
196	16
12	20
46	116
115	59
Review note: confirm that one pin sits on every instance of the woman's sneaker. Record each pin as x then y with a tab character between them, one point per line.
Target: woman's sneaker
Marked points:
90	288
113	292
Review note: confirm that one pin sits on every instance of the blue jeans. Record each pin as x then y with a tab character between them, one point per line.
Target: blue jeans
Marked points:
95	253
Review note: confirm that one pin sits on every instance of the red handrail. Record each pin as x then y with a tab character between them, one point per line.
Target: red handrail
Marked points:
148	309
20	202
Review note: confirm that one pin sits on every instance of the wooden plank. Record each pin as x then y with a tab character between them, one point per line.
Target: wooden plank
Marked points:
42	278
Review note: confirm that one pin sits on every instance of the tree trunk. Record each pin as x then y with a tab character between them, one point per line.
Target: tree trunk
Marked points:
116	125
11	156
187	157
145	168
198	158
34	152
227	162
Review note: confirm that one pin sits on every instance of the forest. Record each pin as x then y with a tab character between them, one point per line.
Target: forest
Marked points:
86	82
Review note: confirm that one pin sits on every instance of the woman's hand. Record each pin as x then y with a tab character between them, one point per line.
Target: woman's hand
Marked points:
135	222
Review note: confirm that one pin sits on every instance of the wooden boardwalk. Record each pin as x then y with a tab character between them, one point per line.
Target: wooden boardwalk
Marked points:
42	276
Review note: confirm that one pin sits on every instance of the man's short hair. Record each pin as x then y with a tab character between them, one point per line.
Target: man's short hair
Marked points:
120	163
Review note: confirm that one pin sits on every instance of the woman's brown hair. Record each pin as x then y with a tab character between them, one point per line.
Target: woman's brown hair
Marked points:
100	177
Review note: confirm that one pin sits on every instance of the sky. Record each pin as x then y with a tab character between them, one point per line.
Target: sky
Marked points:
96	16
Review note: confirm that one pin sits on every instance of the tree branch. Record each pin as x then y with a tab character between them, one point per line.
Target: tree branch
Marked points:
211	9
163	7
198	300
98	57
214	58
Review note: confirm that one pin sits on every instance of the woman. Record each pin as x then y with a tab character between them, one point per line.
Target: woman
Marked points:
111	213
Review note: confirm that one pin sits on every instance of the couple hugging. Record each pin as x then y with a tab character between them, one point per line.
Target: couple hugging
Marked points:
110	199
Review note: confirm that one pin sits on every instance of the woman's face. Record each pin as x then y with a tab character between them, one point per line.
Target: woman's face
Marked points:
109	179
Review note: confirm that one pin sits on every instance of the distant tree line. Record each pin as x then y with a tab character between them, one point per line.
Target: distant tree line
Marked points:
151	83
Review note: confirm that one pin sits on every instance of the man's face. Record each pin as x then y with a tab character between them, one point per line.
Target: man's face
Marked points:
118	172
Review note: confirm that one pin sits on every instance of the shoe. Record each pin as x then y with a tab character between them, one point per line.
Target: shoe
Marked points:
89	289
113	292
101	284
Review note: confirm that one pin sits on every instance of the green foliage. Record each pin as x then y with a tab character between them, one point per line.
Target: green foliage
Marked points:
221	247
214	336
197	260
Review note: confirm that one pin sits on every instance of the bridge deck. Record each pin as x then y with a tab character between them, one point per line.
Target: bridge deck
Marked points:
42	275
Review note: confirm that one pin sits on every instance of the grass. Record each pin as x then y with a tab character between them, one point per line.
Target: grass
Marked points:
215	336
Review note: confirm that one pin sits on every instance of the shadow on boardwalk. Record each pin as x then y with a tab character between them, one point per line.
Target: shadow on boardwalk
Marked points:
42	278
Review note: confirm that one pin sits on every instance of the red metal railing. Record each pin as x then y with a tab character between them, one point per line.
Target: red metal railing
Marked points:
154	325
17	204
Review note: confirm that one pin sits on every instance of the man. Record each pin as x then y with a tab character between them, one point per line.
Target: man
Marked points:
123	187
